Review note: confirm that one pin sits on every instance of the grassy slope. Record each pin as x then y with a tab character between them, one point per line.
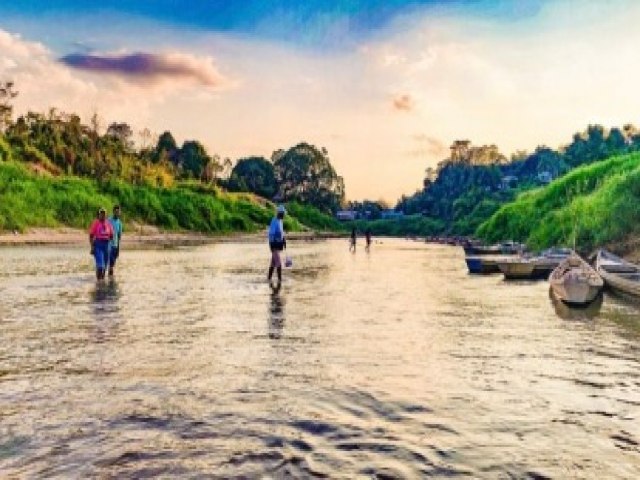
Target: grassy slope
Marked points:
598	203
29	200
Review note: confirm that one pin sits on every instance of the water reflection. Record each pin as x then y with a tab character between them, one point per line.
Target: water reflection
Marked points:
105	302
105	294
276	312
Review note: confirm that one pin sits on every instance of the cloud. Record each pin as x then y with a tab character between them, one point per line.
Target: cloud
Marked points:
43	82
428	147
403	103
151	67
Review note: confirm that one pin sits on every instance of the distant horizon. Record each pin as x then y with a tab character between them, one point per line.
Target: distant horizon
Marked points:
385	87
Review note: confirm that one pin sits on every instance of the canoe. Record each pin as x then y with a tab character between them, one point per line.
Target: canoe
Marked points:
575	282
567	312
533	267
618	274
478	265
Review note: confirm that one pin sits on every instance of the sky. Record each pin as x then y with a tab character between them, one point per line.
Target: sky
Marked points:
384	86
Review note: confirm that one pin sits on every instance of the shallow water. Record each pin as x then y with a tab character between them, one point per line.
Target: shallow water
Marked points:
389	364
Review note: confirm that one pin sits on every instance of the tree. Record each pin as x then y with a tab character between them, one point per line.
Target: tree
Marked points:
7	94
122	133
166	148
305	174
195	162
254	174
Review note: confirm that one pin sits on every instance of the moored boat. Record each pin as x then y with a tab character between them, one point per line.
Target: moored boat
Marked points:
533	267
618	274
575	282
482	265
506	248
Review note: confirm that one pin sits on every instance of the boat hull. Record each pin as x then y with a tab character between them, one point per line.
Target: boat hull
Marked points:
481	266
619	275
536	268
516	270
575	282
524	270
575	293
621	285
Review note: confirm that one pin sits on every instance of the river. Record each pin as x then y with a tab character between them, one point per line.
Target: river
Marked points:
389	364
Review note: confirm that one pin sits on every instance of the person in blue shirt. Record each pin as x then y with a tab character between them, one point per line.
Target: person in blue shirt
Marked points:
277	243
114	245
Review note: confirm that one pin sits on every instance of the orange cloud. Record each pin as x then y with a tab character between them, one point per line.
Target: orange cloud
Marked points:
403	103
428	146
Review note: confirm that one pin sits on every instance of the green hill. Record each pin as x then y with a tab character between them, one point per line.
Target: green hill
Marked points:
28	199
597	204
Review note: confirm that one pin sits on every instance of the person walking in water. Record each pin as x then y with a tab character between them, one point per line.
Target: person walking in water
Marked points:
114	244
277	243
367	236
100	234
352	241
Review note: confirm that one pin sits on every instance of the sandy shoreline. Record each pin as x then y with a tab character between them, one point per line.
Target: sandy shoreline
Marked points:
141	237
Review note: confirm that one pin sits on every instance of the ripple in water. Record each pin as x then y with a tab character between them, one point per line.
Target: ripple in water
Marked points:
392	364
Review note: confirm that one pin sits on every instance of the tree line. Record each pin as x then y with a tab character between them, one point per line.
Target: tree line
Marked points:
60	143
471	184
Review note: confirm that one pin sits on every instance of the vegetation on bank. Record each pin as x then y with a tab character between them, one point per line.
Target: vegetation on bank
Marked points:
470	185
312	217
29	200
595	204
411	225
82	166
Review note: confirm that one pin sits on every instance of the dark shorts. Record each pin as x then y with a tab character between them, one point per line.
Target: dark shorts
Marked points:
113	255
279	246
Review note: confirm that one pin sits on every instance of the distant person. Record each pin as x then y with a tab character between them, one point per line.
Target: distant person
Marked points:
277	243
100	234
352	242
367	236
114	245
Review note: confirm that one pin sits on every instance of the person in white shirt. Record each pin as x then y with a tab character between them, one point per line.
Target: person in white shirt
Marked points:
277	243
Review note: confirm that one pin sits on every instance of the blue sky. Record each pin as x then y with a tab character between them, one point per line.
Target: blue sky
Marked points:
311	23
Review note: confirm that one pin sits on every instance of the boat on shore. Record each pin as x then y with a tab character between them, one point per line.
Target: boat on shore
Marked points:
482	265
575	282
618	274
533	267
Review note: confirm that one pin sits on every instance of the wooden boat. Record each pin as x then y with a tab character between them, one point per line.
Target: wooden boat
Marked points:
618	274
506	248
566	312
575	282
482	265
533	267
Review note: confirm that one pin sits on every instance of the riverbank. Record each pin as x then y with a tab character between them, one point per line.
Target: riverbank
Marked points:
144	236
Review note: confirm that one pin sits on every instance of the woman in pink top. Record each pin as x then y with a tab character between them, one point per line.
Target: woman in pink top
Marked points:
100	233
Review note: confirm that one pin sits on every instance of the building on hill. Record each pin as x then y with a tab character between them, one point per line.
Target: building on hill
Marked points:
391	214
545	177
346	215
508	181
